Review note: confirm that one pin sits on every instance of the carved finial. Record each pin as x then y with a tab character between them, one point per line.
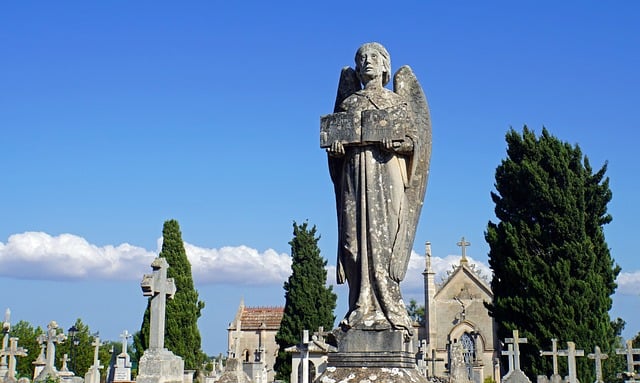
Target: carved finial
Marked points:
427	256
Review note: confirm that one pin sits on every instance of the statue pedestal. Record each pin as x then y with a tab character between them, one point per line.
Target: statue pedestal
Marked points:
160	366
371	356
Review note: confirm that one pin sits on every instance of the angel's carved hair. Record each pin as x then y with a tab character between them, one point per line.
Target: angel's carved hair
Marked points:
386	74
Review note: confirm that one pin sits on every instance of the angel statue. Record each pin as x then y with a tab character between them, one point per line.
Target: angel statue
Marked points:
378	143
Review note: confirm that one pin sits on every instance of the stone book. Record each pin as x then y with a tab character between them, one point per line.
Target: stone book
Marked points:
377	124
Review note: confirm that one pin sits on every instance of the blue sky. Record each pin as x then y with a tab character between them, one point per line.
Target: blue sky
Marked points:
117	116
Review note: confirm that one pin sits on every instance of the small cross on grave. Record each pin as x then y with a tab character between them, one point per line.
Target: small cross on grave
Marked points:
553	353
96	360
463	244
320	335
598	357
509	354
433	360
515	341
159	288
51	338
125	341
11	352
629	351
305	356
571	354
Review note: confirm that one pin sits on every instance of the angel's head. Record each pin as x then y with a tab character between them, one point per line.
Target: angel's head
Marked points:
372	60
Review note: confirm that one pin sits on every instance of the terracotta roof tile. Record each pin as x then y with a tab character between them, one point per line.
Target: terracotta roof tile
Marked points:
253	317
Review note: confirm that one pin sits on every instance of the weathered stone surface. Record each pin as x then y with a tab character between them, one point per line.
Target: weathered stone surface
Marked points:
233	373
379	144
160	366
371	375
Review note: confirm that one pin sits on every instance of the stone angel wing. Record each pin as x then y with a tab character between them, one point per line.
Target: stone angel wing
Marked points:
406	85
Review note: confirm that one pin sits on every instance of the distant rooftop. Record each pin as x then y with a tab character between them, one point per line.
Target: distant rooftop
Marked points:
252	318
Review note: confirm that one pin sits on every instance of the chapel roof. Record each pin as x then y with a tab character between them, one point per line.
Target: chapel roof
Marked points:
255	318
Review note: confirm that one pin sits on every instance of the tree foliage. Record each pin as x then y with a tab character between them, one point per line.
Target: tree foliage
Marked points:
182	335
309	303
416	312
553	273
28	339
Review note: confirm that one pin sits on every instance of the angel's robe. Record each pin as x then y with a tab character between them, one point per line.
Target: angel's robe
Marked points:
370	185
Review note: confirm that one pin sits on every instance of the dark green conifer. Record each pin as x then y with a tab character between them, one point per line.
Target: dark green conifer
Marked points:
553	275
182	335
309	302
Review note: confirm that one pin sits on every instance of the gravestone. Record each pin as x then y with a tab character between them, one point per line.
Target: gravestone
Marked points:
122	370
598	357
383	138
93	373
41	361
11	353
159	365
515	374
630	352
571	354
51	338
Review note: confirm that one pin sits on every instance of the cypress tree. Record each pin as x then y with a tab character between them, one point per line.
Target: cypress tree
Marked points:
553	275
182	335
309	303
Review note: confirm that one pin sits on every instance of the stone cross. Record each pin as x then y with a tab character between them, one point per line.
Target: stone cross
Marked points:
125	340
433	361
553	353
12	351
598	357
64	359
509	354
463	244
96	360
52	338
305	356
42	341
6	327
571	354
159	288
515	341
629	351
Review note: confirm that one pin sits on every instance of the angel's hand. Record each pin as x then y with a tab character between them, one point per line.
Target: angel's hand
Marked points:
336	149
387	144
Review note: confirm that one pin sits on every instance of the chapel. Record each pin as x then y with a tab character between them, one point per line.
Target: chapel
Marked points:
455	315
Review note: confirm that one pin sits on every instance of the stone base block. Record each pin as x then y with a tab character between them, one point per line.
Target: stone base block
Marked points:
371	375
160	366
354	340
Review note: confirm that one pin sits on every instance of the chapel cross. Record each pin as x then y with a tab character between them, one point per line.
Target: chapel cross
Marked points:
463	244
553	353
516	340
12	352
159	288
598	357
571	354
629	351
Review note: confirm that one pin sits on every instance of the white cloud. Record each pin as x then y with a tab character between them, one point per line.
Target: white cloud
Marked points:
37	255
628	283
40	256
414	281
